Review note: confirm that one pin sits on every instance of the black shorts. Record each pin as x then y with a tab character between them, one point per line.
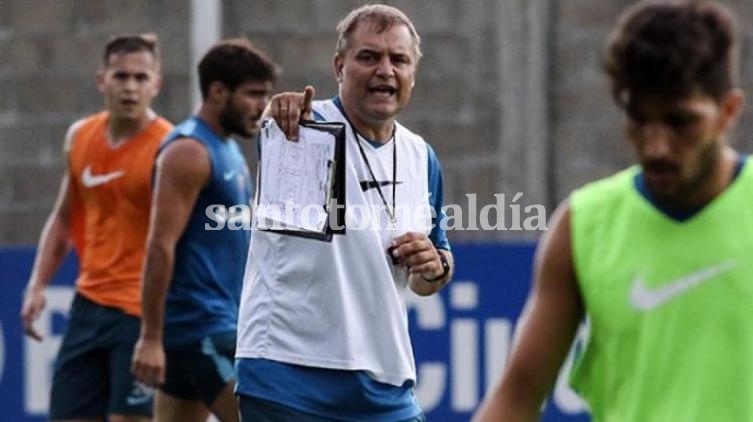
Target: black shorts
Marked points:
92	376
199	371
254	409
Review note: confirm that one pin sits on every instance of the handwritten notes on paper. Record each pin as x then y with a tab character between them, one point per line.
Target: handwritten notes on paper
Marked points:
295	179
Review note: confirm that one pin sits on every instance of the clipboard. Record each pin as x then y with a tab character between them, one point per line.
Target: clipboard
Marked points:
292	176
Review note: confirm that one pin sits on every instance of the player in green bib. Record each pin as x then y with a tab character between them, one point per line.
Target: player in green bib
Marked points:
658	259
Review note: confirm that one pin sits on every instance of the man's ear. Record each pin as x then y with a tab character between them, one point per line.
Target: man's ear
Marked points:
158	82
732	107
337	63
101	80
218	92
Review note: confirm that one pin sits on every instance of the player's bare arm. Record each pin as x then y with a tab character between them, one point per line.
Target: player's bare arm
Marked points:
547	327
183	169
54	244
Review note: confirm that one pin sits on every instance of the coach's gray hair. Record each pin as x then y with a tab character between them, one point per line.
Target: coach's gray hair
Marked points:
383	17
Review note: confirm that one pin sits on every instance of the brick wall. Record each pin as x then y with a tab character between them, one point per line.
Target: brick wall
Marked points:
509	92
50	52
587	138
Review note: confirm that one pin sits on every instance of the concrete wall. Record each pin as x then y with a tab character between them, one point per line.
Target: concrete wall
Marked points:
586	126
509	92
49	53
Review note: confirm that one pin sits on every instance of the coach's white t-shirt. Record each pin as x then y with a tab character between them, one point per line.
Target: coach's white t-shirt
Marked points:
340	304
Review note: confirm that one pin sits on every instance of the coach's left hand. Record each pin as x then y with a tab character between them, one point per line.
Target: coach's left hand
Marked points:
417	253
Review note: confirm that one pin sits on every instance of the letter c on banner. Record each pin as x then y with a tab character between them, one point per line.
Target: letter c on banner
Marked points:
432	376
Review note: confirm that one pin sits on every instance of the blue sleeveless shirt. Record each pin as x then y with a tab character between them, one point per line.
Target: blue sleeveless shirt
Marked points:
207	277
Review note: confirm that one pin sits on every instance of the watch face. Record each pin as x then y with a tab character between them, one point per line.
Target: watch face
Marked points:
445	265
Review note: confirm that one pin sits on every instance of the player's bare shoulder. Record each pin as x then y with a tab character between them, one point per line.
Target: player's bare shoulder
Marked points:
70	134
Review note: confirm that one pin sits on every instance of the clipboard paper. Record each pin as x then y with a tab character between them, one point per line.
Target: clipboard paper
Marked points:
301	185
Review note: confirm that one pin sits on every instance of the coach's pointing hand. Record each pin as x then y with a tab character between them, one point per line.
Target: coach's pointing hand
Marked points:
288	108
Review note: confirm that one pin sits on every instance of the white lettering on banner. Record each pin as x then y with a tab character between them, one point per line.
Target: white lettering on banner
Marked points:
430	315
464	361
497	334
462	370
465	354
39	357
463	350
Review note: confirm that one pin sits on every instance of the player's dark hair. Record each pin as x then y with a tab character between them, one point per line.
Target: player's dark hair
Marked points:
673	49
131	43
234	62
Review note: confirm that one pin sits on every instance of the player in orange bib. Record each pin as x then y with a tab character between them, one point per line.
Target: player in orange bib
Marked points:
103	210
112	186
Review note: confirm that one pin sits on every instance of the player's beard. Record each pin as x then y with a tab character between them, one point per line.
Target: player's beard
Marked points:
232	121
706	165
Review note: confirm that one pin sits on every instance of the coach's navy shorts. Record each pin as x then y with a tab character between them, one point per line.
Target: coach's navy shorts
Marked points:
200	371
254	409
92	375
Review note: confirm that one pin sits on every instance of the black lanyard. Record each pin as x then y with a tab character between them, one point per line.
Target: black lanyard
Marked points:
390	211
357	137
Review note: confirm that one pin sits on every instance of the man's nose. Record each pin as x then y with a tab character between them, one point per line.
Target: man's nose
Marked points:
657	139
130	84
384	67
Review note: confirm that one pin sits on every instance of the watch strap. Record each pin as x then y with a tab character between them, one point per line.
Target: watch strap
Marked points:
445	269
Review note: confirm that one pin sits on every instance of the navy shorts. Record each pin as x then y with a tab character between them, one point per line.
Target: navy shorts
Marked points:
254	409
92	375
199	371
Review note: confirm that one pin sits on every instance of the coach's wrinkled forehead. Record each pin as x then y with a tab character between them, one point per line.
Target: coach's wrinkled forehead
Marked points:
383	17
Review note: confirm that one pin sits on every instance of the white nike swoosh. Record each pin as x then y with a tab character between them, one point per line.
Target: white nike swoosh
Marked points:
140	394
135	401
228	175
89	180
644	299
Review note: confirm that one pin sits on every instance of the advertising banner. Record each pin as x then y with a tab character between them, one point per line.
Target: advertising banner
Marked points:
461	337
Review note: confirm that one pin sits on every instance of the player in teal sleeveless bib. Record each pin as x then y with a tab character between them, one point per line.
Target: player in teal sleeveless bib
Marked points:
197	241
657	259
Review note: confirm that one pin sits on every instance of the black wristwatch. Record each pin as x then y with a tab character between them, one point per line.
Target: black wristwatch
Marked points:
445	269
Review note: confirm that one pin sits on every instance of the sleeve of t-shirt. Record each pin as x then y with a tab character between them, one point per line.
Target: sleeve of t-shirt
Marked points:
438	235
